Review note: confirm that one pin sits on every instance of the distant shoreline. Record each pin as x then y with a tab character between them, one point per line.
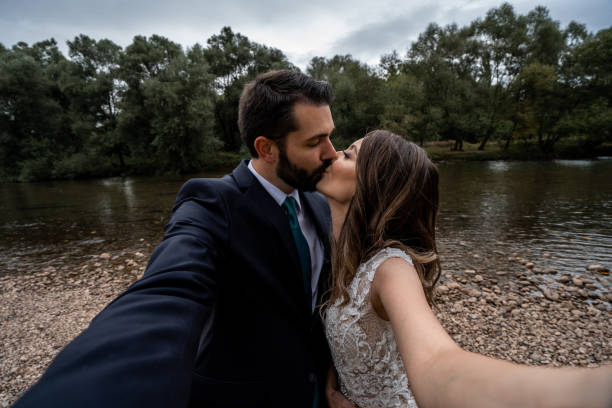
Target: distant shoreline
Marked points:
224	162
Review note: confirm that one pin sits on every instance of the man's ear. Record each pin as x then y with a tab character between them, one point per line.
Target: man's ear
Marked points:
266	149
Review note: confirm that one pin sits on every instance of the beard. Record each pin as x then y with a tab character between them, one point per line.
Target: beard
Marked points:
298	177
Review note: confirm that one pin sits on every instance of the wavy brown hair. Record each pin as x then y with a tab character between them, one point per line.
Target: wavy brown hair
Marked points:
395	205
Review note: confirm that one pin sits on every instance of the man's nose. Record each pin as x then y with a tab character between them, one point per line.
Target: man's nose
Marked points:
329	153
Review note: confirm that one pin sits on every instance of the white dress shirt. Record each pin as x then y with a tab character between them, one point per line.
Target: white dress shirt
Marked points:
306	224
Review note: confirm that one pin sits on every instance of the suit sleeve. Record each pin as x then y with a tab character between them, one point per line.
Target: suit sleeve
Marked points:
140	350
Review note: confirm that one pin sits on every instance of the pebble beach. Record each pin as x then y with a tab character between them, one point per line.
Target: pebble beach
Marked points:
521	312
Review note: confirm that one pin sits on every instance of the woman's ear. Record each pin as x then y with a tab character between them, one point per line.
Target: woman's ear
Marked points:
266	149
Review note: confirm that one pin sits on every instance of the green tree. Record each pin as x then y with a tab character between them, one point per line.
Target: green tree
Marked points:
356	108
91	81
587	79
34	126
501	39
539	109
546	40
403	102
444	60
235	60
180	100
143	60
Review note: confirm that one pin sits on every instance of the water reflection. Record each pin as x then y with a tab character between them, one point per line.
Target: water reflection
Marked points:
499	165
575	163
532	208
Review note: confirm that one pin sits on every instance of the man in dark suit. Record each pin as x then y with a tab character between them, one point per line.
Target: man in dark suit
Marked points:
225	314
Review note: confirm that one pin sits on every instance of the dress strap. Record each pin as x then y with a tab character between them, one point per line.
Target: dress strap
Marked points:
359	289
381	256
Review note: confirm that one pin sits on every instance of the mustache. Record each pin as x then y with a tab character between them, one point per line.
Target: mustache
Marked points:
319	172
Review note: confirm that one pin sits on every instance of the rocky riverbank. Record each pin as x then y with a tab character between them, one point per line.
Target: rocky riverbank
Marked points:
519	313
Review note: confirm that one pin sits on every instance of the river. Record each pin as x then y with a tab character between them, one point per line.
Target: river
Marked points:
557	214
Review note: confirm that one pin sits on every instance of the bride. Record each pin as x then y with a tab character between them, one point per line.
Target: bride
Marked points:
388	347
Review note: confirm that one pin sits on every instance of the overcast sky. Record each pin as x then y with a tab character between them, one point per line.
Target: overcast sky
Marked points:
302	30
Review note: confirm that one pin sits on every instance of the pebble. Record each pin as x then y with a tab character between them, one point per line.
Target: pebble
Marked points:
564	279
442	289
583	293
550	295
598	268
453	285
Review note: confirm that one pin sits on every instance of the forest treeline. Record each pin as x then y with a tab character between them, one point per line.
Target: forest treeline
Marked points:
505	81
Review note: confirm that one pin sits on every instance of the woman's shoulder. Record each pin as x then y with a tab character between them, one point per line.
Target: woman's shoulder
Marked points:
370	266
386	253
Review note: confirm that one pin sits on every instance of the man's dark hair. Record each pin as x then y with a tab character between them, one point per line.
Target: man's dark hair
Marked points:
266	104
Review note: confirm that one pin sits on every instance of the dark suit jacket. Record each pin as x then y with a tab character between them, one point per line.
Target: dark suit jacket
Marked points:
219	318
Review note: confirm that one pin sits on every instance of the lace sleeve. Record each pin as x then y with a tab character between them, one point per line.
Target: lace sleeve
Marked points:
365	275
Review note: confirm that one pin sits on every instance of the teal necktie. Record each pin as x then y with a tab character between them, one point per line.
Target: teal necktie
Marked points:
301	244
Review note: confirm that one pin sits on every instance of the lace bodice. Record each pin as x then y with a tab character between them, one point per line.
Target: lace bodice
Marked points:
370	369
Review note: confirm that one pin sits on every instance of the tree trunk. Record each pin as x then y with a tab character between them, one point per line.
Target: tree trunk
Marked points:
117	149
490	130
509	138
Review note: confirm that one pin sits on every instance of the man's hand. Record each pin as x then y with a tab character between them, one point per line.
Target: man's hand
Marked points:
335	399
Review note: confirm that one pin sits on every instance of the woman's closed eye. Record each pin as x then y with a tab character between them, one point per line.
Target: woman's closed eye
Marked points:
346	155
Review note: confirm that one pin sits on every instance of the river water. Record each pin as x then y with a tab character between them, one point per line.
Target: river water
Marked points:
557	214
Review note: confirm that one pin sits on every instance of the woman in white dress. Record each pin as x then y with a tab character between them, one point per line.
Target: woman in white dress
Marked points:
388	347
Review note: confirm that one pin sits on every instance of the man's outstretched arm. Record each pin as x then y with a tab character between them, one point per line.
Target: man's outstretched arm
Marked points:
140	350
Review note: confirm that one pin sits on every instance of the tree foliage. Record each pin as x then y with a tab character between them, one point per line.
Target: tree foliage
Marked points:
355	108
154	106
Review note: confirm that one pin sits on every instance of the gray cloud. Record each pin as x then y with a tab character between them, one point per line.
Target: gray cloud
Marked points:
301	29
372	40
182	21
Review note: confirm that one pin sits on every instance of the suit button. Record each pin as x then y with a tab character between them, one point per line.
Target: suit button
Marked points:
312	377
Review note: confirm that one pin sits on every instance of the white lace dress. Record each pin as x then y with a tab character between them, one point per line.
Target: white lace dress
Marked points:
370	369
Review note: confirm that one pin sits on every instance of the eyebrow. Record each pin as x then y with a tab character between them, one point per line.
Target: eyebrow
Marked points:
320	135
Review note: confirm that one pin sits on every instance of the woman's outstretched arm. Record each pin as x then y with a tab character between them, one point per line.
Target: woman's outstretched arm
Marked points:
441	374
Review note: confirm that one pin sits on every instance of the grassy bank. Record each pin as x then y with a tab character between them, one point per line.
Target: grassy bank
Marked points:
86	167
441	151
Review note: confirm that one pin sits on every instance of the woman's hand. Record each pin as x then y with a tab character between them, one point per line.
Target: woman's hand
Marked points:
335	399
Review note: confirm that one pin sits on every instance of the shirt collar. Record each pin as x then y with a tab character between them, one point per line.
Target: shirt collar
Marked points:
276	193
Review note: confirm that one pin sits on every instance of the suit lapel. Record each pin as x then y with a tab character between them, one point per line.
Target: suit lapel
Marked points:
272	213
317	209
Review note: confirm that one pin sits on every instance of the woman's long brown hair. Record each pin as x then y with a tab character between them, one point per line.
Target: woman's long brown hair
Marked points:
395	205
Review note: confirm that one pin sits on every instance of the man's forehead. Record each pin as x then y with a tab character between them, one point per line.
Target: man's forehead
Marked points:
313	119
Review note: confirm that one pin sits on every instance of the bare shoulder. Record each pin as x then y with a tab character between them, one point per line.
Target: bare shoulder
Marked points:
394	277
393	269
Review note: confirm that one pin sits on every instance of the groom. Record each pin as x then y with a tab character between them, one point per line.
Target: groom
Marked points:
224	315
